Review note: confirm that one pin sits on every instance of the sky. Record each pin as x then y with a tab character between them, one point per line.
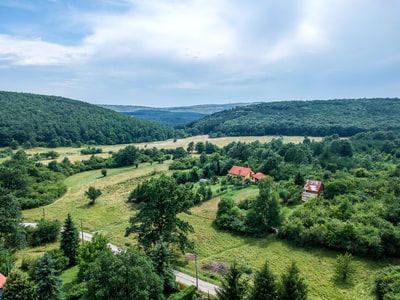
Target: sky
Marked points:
165	53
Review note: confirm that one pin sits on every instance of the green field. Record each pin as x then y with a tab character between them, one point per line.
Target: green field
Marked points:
111	213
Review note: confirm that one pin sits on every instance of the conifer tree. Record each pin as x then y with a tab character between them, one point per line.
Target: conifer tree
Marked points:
69	243
17	287
233	287
48	282
265	286
293	285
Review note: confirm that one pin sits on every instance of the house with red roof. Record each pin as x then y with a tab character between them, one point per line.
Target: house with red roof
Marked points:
246	173
312	189
2	282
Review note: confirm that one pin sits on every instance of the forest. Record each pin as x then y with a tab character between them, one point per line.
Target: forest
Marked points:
32	120
344	117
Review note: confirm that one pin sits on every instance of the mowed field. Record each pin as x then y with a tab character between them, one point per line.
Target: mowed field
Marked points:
111	213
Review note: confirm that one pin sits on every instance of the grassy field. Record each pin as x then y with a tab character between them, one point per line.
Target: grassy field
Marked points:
111	213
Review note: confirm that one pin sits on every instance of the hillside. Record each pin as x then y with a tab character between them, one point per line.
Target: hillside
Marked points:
172	116
345	117
38	120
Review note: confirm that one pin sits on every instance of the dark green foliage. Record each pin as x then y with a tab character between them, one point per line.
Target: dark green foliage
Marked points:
7	260
313	118
61	261
344	270
265	286
233	286
387	283
48	282
293	286
12	234
92	194
88	252
91	150
32	183
186	294
162	199
18	287
55	121
46	232
69	242
76	292
128	156
162	256
129	275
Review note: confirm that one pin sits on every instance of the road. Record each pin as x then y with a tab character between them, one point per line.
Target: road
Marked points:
186	279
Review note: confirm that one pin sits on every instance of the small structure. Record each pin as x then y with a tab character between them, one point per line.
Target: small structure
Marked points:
243	172
2	282
312	189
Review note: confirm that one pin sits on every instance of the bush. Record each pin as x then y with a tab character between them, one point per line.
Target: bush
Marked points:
186	294
46	232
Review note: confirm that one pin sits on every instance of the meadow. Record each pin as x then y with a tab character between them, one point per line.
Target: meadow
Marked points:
112	211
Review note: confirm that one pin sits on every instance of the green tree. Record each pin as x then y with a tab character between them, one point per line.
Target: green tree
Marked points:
190	147
162	256
129	275
387	283
48	282
7	260
47	231
293	286
92	194
69	242
12	234
157	219
104	172
266	208
265	286
344	270
18	287
233	286
89	251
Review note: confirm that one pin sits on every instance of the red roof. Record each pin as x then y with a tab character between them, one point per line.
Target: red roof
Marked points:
259	175
313	186
2	280
240	171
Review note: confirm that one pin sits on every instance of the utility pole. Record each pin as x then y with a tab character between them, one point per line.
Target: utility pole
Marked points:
197	277
82	231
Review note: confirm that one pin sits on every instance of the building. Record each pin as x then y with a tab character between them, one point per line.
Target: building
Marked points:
312	189
246	173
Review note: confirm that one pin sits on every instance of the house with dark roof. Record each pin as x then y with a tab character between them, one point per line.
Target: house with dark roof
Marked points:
312	189
2	282
246	173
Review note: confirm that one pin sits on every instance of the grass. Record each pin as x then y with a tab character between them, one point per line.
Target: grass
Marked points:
111	213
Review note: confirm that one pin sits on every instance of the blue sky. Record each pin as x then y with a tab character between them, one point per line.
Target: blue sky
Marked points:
187	52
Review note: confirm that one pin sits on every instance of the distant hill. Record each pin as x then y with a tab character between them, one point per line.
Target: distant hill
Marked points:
40	120
345	117
172	116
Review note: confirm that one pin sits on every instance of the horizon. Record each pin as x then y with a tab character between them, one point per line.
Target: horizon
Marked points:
170	54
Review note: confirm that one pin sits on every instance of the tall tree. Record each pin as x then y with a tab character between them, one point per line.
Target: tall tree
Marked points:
233	286
265	286
293	286
126	276
161	256
89	251
12	234
48	282
157	219
69	243
18	287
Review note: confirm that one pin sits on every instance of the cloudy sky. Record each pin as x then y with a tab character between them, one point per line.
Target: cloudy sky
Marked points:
185	52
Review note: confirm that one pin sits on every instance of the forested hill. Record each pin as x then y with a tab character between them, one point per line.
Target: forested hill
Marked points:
345	117
38	120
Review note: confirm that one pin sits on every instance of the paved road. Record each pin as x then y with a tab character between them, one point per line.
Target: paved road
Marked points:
186	279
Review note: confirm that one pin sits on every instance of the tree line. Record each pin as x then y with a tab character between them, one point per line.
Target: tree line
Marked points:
32	120
344	117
